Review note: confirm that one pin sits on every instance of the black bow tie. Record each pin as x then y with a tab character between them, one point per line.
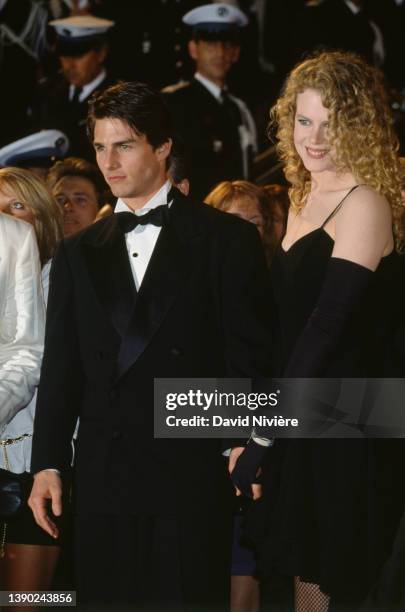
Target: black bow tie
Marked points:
158	216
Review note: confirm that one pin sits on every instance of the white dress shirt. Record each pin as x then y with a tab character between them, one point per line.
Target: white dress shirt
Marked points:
141	241
89	88
212	87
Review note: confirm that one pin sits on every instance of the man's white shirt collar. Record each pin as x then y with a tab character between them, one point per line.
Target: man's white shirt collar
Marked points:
159	198
141	241
90	87
212	87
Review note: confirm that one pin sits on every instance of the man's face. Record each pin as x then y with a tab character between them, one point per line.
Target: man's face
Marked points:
131	166
81	70
77	197
214	59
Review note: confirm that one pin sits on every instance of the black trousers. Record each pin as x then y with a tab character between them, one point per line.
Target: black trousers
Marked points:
152	563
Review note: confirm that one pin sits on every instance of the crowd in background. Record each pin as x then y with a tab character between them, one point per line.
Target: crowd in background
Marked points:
149	43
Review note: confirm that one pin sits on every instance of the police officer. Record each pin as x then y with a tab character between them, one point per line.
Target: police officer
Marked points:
216	127
81	44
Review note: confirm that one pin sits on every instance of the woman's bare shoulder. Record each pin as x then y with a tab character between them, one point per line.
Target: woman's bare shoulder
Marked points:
363	230
365	201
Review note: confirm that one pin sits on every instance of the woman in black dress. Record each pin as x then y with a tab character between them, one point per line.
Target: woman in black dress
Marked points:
330	508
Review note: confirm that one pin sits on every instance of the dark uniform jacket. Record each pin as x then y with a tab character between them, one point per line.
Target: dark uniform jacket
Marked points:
202	311
218	143
52	109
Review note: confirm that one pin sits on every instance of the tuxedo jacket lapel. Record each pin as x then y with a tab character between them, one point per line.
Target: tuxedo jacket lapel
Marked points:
110	273
168	269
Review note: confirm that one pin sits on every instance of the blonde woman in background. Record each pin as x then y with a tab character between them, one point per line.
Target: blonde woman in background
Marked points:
30	555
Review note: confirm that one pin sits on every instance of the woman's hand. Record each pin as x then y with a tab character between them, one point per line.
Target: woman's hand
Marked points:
244	468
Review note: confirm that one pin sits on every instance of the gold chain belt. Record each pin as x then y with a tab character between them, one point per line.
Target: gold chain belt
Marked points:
14	440
8	442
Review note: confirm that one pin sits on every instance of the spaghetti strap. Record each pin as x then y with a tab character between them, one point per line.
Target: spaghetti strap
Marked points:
338	207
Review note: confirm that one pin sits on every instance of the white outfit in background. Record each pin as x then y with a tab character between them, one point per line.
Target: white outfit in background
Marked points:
22	327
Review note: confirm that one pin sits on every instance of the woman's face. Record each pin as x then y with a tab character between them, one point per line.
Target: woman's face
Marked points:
11	204
311	132
247	209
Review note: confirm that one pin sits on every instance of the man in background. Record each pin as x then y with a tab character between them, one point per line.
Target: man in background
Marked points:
80	190
61	103
216	127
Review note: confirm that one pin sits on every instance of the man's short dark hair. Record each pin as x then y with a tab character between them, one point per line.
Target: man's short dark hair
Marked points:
142	108
75	166
179	167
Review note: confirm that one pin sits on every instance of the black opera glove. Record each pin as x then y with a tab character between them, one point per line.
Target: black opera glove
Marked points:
247	465
344	286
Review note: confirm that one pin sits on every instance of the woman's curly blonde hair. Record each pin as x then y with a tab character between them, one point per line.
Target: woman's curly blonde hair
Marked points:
360	126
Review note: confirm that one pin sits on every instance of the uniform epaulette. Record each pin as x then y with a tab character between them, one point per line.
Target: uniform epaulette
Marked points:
175	87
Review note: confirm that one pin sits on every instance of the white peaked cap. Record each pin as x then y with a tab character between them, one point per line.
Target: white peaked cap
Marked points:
80	26
218	16
46	144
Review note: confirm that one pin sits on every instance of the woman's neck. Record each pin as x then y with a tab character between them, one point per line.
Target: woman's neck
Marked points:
328	181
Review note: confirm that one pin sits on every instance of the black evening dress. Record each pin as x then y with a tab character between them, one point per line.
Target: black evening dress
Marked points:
330	507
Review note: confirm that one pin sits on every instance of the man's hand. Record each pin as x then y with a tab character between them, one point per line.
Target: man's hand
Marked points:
47	485
256	489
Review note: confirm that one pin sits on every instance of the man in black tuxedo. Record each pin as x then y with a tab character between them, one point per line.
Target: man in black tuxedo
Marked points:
165	287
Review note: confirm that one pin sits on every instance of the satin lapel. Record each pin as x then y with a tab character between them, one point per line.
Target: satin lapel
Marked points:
110	273
168	269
